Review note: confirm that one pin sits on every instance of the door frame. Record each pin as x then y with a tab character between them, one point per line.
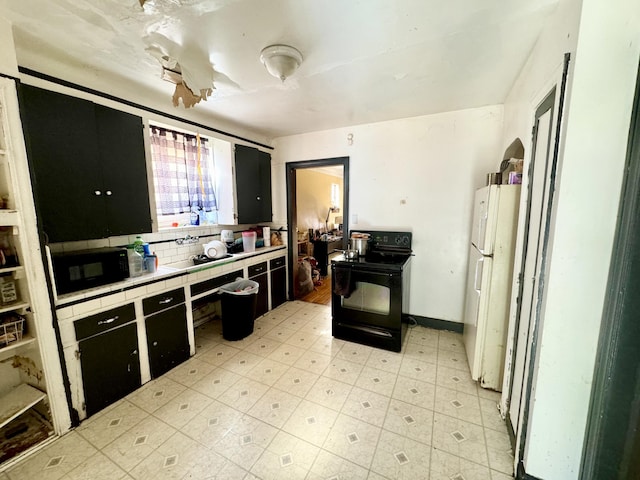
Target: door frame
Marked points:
292	211
613	425
519	437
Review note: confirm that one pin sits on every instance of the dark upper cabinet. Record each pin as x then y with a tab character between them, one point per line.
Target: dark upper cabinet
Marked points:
253	184
124	172
88	166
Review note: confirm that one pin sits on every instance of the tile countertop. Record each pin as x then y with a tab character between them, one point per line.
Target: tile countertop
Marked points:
164	272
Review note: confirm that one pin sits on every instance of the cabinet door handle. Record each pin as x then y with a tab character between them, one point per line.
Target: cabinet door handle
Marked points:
97	193
155	344
258	198
135	352
165	301
108	192
108	320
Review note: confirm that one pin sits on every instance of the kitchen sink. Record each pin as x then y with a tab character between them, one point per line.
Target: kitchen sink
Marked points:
199	260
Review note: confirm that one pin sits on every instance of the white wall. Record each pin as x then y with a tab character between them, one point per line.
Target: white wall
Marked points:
8	63
592	169
605	54
417	174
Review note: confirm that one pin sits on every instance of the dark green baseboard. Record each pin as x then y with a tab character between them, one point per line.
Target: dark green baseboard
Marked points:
436	323
522	475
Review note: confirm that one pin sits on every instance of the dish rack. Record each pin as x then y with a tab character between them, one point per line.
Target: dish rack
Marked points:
11	332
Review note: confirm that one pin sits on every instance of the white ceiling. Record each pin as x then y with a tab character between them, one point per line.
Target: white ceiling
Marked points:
364	60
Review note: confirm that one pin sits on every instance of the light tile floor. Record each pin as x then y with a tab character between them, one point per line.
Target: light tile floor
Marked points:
291	402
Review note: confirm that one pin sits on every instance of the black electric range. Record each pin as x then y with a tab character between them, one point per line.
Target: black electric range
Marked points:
370	294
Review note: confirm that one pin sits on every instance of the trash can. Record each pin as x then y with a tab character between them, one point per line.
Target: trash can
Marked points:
238	308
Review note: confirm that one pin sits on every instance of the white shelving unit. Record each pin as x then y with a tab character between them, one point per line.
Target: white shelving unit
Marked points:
33	407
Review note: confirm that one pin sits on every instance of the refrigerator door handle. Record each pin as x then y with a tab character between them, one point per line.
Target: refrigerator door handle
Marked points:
482	233
479	265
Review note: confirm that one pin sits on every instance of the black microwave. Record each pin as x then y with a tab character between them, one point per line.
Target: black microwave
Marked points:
83	269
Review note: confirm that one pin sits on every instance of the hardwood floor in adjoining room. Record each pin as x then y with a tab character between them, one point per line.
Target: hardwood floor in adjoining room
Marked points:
321	294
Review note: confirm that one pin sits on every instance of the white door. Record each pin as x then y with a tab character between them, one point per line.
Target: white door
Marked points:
539	185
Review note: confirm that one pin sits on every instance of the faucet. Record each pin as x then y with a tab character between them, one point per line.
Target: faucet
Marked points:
187	240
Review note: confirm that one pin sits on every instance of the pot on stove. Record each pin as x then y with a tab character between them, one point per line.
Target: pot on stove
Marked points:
359	245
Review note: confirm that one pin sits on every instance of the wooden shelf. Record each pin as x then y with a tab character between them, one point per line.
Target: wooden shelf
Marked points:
9	350
10	307
17	268
17	401
9	217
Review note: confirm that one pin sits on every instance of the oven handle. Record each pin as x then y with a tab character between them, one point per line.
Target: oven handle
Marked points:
366	271
369	330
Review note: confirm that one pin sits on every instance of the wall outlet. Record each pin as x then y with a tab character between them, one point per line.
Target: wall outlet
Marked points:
354	219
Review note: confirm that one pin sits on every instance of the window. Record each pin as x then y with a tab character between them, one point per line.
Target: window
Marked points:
185	180
335	195
181	172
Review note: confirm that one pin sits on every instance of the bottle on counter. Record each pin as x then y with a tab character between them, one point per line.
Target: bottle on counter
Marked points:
137	265
195	216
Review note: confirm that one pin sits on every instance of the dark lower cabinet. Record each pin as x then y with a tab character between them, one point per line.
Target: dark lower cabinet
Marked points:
110	366
278	282
167	339
258	273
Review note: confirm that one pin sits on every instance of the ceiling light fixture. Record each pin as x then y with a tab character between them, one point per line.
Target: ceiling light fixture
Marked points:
281	60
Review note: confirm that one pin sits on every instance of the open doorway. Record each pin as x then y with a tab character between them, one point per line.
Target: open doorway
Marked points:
317	213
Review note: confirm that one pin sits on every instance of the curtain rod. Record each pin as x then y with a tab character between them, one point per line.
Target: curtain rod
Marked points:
75	86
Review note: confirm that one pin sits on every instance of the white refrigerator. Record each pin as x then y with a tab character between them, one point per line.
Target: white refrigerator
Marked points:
489	281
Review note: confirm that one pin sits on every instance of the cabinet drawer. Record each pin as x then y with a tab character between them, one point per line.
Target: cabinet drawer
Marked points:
104	321
213	283
163	301
277	262
257	269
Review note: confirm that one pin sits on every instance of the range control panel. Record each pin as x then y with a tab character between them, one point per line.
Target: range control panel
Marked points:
383	239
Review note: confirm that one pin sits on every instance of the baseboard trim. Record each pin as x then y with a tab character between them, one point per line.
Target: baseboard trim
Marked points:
522	475
437	324
512	434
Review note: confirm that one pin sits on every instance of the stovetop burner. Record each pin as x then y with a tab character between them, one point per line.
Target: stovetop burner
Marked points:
386	250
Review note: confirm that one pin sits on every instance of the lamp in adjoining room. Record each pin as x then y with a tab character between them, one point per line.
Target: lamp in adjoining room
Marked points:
326	222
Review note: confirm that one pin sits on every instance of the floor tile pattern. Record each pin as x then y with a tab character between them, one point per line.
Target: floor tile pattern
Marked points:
290	401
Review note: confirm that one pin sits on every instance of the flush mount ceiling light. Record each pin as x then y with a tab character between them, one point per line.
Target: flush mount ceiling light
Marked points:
281	60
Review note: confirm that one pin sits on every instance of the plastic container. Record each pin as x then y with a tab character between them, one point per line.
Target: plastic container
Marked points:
151	263
138	245
238	308
249	241
136	262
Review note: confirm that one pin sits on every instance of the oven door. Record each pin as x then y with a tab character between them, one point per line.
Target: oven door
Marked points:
372	313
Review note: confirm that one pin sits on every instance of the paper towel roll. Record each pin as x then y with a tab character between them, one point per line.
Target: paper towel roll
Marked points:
266	234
